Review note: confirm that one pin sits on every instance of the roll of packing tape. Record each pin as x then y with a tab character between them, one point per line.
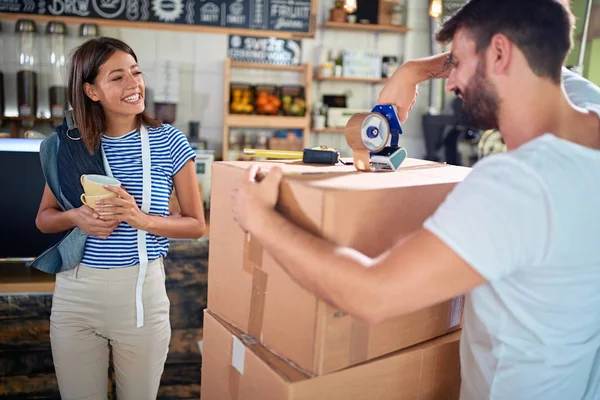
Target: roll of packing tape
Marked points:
362	160
366	133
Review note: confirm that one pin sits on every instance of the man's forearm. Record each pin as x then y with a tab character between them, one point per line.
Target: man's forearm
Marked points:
437	66
332	274
401	88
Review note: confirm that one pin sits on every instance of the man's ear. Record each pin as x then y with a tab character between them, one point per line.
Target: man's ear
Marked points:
501	53
90	91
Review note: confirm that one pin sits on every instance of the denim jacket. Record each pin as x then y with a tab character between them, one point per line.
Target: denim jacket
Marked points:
64	159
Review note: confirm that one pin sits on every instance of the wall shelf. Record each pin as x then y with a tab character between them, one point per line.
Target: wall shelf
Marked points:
34	119
16	122
170	26
248	65
347	79
328	130
346	26
265	121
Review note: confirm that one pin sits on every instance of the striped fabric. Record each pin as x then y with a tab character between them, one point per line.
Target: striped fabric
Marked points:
169	151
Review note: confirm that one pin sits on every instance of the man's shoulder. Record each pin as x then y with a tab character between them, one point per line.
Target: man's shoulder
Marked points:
580	91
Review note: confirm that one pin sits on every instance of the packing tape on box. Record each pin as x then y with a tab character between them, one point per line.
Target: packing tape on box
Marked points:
359	342
257	303
253	252
234	383
252	263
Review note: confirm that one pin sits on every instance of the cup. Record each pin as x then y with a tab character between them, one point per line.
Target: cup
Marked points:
93	184
90	201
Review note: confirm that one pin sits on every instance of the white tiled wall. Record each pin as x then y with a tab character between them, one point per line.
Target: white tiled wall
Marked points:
200	57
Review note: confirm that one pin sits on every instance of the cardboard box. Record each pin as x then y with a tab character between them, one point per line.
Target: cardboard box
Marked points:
235	367
370	212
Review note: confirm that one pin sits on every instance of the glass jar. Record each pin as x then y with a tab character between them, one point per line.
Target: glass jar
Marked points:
397	14
56	57
27	75
87	31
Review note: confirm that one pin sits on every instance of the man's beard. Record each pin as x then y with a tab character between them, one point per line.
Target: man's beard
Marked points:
481	103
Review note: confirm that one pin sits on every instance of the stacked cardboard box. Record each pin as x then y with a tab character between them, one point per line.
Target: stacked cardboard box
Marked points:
266	337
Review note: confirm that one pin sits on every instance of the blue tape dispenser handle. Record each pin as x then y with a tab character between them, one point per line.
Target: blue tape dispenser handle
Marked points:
390	112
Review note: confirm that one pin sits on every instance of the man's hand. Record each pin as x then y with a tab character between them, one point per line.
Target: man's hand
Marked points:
401	90
252	199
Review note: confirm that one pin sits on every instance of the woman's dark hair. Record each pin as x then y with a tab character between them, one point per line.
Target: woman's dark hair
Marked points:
85	65
542	29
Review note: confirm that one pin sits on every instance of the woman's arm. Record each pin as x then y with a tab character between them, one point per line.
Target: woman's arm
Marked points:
190	225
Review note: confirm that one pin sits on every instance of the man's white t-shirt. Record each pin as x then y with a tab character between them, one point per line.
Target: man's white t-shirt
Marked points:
529	222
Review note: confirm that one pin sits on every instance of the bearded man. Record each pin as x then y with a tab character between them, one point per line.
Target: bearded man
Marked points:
519	236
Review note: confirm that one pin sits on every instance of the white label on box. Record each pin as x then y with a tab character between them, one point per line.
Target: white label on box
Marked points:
238	354
457	311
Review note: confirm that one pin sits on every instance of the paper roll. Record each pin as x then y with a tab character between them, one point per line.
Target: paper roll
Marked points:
361	145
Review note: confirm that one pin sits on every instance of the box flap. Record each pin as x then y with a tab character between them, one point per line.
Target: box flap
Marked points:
413	172
284	368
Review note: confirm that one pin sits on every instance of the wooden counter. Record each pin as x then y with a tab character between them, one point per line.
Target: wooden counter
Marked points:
26	368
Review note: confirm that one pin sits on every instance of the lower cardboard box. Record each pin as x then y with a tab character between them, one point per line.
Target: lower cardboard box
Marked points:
236	367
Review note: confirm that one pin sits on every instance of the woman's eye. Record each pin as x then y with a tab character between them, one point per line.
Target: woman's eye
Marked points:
137	73
118	78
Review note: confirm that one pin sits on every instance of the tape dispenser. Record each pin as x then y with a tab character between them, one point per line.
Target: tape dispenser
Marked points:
373	138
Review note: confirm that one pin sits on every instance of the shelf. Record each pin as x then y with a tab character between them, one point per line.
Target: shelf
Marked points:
34	119
238	64
328	130
16	122
365	27
159	26
271	122
346	79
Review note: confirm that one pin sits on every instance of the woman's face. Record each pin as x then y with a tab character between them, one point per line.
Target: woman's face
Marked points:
119	86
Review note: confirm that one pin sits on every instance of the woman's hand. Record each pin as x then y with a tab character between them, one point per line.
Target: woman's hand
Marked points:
122	209
89	221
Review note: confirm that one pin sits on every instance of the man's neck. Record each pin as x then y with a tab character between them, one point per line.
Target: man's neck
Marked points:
120	125
543	108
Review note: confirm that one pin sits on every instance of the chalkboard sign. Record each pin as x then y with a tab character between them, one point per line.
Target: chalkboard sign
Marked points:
265	50
273	15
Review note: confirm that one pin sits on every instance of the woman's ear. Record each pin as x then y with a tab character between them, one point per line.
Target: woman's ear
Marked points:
90	92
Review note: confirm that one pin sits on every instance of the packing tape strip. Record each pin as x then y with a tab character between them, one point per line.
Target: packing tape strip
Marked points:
234	383
253	252
362	160
257	303
359	342
353	134
252	263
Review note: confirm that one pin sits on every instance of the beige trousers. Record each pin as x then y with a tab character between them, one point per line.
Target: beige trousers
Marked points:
93	310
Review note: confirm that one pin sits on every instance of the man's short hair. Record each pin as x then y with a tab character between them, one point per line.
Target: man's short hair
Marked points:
541	29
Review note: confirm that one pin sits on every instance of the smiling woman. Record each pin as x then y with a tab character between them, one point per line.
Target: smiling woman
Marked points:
113	89
114	250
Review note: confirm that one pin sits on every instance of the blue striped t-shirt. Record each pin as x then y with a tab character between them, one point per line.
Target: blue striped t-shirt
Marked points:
169	151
